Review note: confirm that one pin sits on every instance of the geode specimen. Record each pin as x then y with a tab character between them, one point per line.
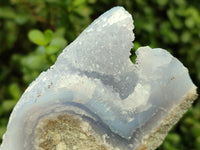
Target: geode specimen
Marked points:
94	98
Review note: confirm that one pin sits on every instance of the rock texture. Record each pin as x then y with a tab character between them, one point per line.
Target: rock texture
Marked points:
93	97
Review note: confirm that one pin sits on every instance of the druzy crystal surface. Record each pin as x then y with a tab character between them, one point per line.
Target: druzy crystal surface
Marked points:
112	103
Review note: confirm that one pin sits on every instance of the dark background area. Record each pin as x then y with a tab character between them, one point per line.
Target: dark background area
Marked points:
34	32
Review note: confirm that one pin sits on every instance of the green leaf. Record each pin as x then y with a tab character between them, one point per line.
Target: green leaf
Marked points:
195	130
197	143
180	2
59	41
60	32
15	91
8	105
28	78
52	49
92	1
77	3
168	146
34	62
7	13
173	138
190	22
53	58
136	45
185	36
37	37
162	2
48	35
21	19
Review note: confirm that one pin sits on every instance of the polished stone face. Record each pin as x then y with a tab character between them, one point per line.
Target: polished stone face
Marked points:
93	97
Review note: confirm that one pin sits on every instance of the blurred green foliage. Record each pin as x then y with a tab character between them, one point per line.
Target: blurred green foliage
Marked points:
34	32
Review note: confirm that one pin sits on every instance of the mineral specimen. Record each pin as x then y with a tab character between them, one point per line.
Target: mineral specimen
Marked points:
94	98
